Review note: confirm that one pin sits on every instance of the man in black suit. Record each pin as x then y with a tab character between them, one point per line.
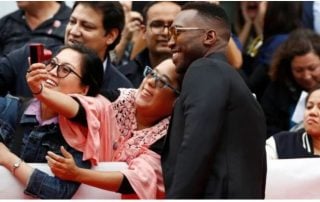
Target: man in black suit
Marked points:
215	143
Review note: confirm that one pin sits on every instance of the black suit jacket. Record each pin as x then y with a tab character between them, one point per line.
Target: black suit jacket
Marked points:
134	69
114	79
215	147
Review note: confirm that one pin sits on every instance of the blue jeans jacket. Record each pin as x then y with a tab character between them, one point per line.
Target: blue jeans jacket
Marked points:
37	141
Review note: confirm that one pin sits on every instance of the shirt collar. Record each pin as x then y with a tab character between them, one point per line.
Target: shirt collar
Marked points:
34	110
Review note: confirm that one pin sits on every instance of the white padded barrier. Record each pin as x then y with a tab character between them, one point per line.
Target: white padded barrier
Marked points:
293	179
286	179
11	188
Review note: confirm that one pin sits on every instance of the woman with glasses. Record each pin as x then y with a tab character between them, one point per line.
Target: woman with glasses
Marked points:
135	124
74	69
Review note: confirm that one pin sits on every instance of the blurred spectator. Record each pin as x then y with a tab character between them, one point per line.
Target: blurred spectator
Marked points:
281	18
295	68
158	17
249	28
34	21
121	55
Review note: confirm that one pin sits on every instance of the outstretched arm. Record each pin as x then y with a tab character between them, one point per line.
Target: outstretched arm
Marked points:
62	103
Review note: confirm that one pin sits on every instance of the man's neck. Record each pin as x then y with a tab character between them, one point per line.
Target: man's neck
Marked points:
43	12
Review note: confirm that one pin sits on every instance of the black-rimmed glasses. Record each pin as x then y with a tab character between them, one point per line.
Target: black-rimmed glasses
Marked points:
175	31
63	70
159	82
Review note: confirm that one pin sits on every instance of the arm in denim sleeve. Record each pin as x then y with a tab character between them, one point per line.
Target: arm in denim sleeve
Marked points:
44	186
8	118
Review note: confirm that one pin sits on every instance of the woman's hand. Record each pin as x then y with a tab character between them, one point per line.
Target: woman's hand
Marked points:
35	76
244	11
62	167
259	20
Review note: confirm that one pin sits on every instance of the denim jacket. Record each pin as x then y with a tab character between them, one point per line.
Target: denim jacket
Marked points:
37	141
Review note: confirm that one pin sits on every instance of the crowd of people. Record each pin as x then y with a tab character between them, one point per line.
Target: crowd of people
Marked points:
193	101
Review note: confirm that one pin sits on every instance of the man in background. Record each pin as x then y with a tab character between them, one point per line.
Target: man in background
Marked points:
158	17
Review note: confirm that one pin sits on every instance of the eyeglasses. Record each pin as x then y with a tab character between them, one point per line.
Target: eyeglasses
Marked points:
158	26
63	70
175	31
159	82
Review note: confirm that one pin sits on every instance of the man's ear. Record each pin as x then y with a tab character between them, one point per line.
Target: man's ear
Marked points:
210	38
112	36
143	30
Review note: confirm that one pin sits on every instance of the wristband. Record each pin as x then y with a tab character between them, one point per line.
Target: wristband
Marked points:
40	91
16	165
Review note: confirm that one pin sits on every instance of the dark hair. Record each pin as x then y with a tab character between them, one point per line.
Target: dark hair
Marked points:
300	42
281	17
91	68
212	12
315	88
148	5
113	16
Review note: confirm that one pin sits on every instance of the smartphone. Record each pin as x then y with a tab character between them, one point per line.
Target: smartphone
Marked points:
36	52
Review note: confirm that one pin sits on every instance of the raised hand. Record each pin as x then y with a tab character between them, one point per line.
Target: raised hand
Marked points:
133	24
36	75
259	20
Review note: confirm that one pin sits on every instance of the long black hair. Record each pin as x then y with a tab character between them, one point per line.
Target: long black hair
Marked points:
91	68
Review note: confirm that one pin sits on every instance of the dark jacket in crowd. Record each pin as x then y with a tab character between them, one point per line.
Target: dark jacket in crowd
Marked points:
134	69
278	103
294	145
